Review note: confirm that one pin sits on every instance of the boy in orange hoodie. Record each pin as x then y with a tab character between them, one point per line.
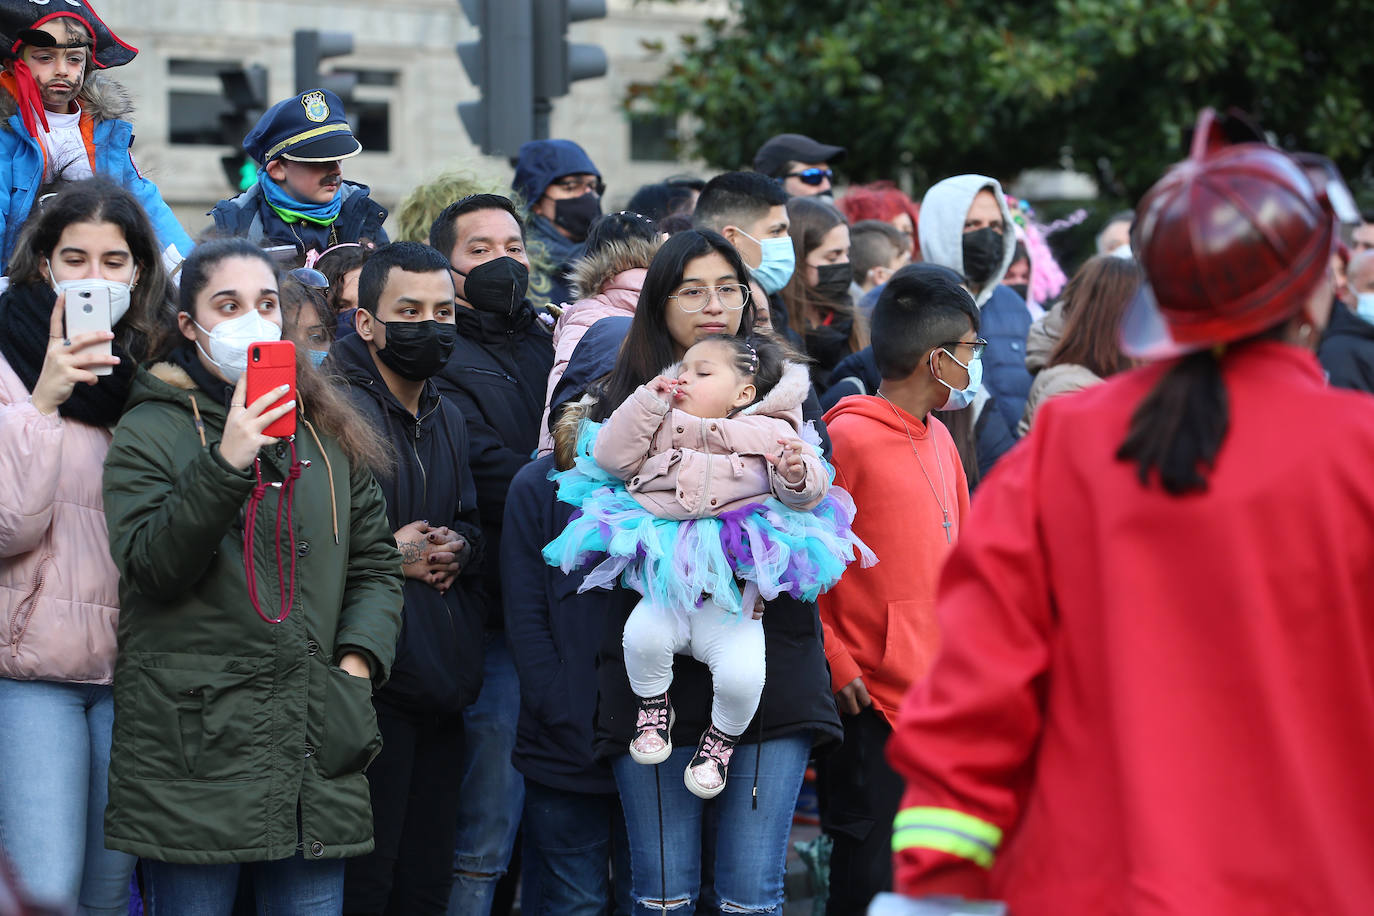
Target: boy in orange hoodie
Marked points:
904	472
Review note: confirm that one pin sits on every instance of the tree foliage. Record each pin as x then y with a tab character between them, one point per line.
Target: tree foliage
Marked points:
945	86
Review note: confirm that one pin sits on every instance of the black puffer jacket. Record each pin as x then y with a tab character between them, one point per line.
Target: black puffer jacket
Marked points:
496	377
438	664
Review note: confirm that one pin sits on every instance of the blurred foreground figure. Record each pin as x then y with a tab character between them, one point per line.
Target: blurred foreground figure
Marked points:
1154	690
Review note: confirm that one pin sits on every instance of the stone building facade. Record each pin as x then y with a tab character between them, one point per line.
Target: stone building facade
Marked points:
412	82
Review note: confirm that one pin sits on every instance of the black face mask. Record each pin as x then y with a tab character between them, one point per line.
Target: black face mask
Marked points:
982	255
415	350
576	214
832	281
1020	289
497	286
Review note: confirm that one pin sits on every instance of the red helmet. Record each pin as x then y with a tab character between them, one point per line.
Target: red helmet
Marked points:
1233	241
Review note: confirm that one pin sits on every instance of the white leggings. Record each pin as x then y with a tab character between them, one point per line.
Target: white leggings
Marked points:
732	647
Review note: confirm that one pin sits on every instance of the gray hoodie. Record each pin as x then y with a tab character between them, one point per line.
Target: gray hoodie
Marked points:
941	228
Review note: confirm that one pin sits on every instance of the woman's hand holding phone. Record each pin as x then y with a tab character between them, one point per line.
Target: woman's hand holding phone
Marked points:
68	362
243	430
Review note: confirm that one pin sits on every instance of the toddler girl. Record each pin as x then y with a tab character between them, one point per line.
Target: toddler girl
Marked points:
698	482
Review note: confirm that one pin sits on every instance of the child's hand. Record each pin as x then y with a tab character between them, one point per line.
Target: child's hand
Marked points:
788	461
665	386
758	608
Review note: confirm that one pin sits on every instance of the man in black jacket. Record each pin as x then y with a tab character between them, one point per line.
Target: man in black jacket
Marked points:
405	332
497	376
575	853
1347	349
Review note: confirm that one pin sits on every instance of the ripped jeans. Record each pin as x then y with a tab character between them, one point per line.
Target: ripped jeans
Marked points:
750	844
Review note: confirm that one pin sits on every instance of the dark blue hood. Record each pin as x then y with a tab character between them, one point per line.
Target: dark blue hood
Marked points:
541	161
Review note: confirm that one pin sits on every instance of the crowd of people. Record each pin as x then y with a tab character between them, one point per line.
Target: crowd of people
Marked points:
599	534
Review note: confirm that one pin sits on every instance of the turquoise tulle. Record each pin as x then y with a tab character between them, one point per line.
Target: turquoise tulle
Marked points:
685	564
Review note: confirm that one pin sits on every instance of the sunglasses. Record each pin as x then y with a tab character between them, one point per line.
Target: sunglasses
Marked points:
811	176
309	277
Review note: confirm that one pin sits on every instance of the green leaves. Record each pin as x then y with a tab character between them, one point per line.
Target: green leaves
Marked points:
946	86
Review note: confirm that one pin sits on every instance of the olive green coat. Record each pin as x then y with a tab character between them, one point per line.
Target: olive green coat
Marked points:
224	723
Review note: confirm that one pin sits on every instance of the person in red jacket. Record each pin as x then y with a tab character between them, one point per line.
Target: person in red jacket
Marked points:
1154	693
903	470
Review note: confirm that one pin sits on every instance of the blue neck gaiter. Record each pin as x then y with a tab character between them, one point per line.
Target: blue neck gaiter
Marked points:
292	210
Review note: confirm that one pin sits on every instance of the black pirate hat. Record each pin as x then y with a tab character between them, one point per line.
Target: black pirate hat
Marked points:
19	21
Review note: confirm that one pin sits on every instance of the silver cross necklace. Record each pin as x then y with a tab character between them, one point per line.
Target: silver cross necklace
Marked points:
944	506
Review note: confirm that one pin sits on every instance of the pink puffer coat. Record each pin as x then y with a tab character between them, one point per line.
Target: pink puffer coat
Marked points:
607	284
59	596
680	466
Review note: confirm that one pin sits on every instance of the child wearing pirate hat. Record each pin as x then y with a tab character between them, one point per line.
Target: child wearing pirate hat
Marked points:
61	121
300	198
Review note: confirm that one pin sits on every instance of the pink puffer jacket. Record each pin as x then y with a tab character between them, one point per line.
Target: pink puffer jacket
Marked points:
607	284
680	466
59	595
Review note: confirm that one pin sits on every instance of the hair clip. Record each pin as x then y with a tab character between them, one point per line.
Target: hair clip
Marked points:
753	358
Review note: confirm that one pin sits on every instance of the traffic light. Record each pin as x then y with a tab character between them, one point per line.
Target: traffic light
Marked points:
245	89
557	62
500	65
313	47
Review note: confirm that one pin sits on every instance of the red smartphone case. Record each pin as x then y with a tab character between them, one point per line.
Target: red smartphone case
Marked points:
272	364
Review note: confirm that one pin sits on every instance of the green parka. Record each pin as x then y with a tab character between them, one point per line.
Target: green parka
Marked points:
225	724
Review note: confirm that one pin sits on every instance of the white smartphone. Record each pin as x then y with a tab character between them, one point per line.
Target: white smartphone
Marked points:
89	310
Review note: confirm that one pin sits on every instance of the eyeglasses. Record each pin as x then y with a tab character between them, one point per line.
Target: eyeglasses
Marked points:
309	277
978	346
580	185
811	176
692	299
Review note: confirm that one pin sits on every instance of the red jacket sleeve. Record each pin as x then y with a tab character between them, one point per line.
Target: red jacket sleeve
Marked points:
966	732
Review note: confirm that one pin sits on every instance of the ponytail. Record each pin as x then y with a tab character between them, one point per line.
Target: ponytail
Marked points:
1179	427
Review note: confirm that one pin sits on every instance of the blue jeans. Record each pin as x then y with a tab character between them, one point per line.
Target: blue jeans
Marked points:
54	771
750	844
286	887
493	792
574	842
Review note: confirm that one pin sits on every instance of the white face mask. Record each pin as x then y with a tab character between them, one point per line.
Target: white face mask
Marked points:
119	293
230	340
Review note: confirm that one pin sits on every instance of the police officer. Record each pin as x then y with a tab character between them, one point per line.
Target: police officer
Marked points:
300	198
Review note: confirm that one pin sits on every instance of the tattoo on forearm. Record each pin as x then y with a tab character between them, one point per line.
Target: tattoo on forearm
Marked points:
410	551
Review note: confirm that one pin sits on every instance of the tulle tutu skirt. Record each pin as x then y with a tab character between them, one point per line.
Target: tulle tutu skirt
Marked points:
685	564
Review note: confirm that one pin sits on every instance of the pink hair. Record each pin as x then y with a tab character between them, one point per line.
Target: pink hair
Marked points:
1046	278
881	200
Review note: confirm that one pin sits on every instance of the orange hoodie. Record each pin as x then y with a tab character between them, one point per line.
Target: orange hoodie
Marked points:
880	622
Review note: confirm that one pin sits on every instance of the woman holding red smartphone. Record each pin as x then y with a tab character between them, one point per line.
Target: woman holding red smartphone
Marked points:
59	602
240	738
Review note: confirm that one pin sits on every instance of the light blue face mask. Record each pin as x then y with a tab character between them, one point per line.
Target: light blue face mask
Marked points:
1364	306
777	262
958	399
318	357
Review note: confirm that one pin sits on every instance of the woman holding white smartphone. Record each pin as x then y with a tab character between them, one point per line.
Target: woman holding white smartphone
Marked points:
60	393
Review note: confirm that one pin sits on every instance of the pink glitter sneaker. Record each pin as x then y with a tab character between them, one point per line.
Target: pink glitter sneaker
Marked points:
705	775
653	740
